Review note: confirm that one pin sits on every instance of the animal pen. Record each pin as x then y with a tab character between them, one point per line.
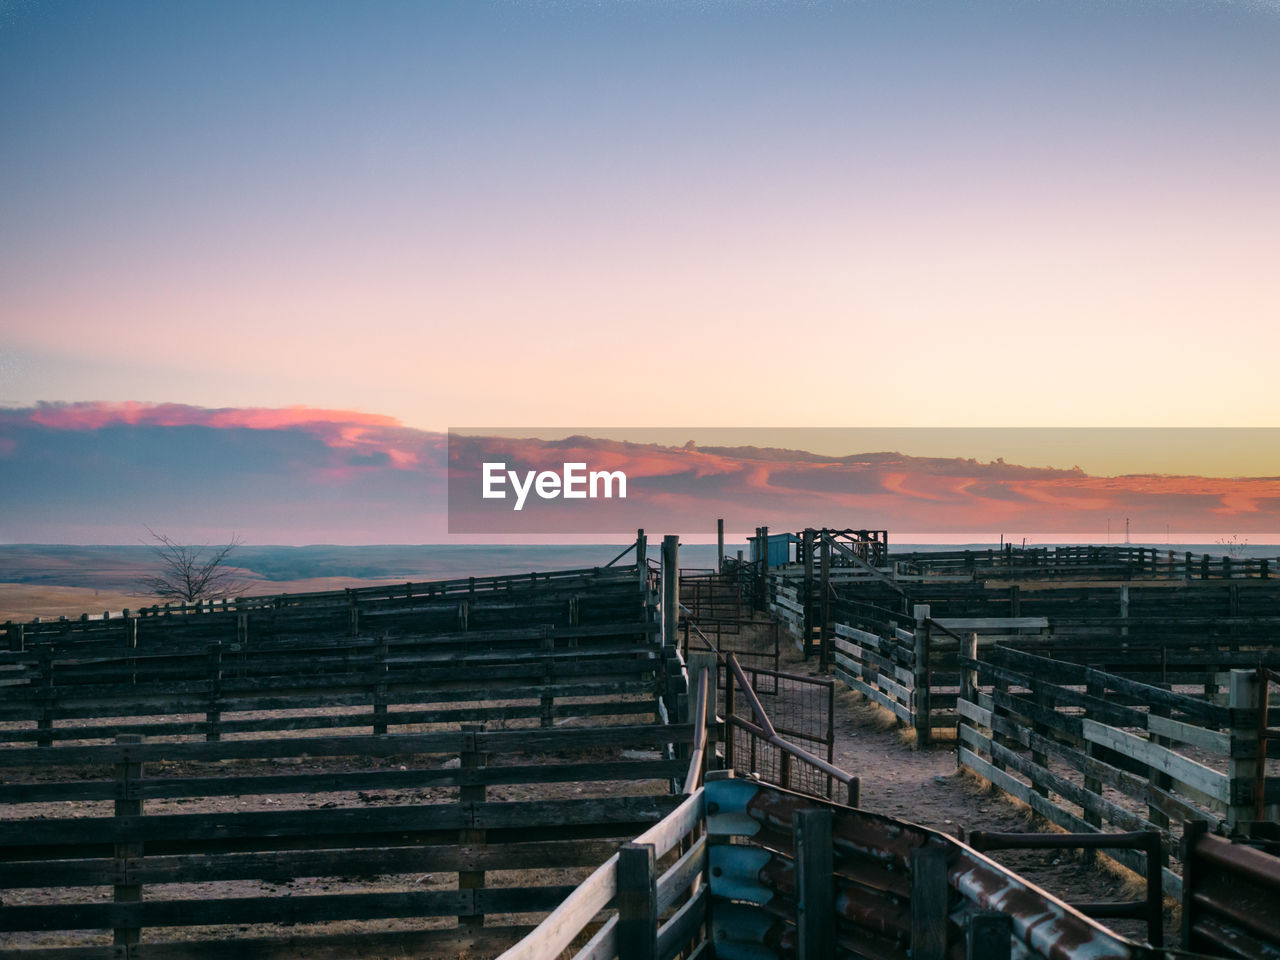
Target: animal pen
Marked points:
531	764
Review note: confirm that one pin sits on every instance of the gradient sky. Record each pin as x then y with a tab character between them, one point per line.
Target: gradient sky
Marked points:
648	212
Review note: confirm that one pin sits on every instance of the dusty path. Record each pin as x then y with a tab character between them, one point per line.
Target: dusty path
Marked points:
924	786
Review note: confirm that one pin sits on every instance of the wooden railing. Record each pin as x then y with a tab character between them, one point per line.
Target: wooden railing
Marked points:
1129	756
411	823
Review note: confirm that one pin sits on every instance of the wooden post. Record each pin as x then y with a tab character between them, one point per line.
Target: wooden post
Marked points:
548	699
212	713
670	590
806	606
380	686
1243	699
989	937
637	902
720	545
127	774
727	734
763	603
824	639
642	560
472	760
1094	687
1015	601
1124	608
969	675
1192	832
44	725
922	675
815	884
929	903
17	637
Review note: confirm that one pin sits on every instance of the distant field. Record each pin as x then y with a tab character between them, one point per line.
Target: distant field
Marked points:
51	580
25	601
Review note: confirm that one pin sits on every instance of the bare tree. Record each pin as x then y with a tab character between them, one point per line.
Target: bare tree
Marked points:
192	572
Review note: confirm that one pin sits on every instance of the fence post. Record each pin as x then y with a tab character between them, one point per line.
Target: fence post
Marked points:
968	679
637	902
44	725
548	699
763	603
929	907
642	560
720	545
922	675
989	937
824	639
472	759
806	607
670	590
212	715
815	885
1241	768
17	637
729	683
131	642
380	686
128	804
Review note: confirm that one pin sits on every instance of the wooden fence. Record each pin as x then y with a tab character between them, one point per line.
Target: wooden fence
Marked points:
569	597
910	668
1090	750
1118	561
397	828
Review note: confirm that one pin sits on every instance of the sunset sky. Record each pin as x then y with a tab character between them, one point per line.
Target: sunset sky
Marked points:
412	216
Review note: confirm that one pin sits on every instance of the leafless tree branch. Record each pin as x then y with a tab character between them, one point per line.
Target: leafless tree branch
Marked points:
190	572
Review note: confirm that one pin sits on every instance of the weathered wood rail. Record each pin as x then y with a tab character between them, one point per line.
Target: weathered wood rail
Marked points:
1079	562
568	597
374	834
1090	750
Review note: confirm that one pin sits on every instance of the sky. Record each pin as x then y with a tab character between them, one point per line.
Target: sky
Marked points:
645	213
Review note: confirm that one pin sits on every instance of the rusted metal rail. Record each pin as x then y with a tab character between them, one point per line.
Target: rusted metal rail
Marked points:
1150	908
1230	896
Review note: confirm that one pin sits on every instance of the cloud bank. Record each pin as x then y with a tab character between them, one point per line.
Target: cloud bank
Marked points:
97	472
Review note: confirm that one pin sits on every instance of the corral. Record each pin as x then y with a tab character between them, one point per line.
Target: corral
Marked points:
432	769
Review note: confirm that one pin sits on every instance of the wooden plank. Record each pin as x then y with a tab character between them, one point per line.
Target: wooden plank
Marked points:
971	711
988	624
675	934
602	946
1042	776
1212	740
675	825
929	907
565	922
236	910
902	712
815	886
1196	775
679	877
637	903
